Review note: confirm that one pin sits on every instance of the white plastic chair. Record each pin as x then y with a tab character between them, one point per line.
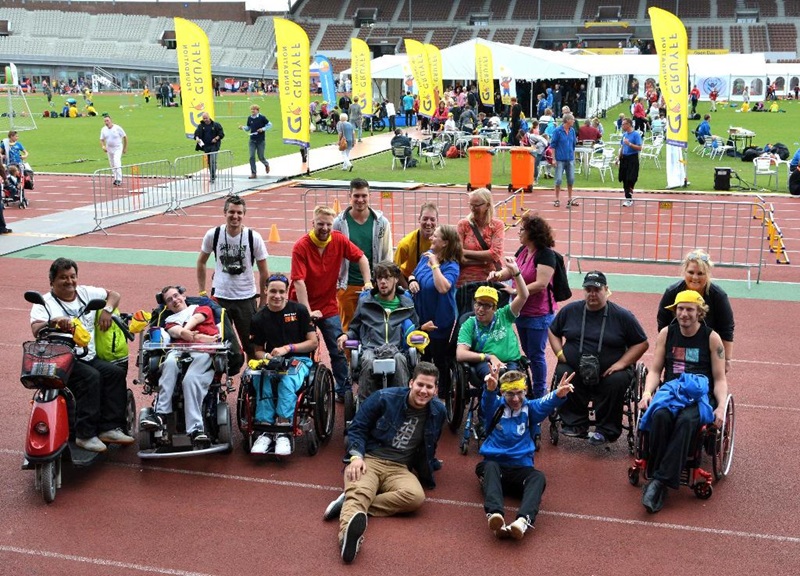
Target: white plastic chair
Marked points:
602	162
762	166
653	151
434	153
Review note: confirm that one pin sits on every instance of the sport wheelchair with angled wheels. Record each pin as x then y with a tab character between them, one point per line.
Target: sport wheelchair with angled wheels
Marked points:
630	408
716	443
315	408
170	439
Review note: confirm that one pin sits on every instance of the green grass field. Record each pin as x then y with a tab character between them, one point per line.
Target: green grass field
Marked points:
154	133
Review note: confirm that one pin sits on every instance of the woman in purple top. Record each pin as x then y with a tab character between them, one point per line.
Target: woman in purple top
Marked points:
537	262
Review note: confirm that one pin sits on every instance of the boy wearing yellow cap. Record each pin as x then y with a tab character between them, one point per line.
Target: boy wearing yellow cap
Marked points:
507	467
488	338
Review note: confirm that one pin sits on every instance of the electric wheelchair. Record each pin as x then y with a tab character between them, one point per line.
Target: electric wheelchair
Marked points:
630	408
716	443
227	358
466	386
314	413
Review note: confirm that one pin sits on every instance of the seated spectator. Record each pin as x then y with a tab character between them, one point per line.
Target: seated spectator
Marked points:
384	318
282	328
597	125
186	324
13	183
618	123
703	129
450	123
507	466
439	117
487	340
686	347
400	139
587	132
601	341
468	120
658	125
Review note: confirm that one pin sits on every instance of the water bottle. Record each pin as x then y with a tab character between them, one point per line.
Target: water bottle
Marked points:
155	335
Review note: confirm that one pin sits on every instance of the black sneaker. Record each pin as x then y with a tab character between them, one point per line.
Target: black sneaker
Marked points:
334	508
6	231
353	536
152	422
574	431
200	440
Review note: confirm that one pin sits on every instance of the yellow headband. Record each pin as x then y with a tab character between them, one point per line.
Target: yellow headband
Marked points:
513	386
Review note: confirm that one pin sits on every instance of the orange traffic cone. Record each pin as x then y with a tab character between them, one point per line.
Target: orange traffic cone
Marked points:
273	234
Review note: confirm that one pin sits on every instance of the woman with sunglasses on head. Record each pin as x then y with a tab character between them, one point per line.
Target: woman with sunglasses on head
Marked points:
696	268
433	286
482	236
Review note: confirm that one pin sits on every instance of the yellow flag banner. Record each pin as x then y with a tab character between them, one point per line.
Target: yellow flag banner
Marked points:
435	63
194	67
669	36
484	72
294	59
361	74
418	58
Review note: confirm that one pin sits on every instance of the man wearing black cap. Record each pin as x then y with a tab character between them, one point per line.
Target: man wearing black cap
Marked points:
600	341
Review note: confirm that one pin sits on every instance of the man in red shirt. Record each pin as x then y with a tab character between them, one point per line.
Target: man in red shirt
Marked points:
318	257
588	132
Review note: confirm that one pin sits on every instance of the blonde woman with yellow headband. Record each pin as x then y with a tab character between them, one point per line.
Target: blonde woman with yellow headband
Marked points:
696	269
509	447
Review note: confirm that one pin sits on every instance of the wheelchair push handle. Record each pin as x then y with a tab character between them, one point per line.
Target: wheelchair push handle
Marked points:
352	344
122	320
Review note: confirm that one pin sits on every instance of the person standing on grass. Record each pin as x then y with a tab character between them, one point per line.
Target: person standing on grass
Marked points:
115	143
629	159
257	123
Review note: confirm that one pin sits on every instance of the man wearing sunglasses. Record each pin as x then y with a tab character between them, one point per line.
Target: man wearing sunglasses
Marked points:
487	340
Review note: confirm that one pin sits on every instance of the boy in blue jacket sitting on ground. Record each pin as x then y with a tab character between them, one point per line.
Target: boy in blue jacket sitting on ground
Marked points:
507	467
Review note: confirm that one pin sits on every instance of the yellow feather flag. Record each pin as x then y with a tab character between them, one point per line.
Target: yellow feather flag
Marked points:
294	59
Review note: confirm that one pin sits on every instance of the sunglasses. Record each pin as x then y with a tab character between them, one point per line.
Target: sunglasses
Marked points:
698	256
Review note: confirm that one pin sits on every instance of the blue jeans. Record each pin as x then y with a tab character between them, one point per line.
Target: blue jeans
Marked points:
256	148
533	337
568	167
288	385
331	328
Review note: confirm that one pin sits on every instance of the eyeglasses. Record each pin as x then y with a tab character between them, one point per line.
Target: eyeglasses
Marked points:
514	394
483	305
471	205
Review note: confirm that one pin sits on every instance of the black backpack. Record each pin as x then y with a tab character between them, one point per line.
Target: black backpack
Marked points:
249	238
559	287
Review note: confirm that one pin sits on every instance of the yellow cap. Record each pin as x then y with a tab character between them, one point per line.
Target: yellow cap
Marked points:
486	292
687	297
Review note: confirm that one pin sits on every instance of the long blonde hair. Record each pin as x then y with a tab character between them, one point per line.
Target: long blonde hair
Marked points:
485	195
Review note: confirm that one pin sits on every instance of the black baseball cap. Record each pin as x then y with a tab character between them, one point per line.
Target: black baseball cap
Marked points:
595	278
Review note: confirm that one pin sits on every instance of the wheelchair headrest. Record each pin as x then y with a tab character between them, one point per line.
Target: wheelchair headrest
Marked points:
160	295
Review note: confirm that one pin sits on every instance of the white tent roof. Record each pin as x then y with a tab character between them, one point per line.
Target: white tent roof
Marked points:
458	63
700	65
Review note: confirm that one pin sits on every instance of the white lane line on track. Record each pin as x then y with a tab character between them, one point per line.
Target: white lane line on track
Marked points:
99	561
572	515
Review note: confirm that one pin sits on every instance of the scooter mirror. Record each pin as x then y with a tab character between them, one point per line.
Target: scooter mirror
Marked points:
34	297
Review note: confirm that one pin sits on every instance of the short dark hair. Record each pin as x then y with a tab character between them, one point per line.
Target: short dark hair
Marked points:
60	264
397	132
358	184
236	201
386	269
537	230
425	369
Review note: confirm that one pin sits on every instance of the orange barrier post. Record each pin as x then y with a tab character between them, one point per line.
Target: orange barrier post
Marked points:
336	206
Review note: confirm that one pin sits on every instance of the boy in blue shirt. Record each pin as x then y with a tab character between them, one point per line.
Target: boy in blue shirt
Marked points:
507	466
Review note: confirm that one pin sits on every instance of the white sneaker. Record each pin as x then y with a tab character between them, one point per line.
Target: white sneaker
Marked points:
518	528
496	522
283	446
627	203
93	444
262	444
116	436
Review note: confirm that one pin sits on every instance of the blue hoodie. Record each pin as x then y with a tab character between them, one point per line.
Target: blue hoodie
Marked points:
510	443
677	394
549	98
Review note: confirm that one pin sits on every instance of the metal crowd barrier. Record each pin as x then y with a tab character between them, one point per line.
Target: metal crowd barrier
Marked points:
158	185
654	231
401	207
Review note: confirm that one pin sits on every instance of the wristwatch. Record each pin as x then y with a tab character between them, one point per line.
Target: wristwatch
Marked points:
109	309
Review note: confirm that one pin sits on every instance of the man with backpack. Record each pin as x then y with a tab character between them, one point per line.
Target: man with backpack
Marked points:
235	248
507	466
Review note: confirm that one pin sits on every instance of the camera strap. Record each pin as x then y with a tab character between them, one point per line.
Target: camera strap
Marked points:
602	330
64	308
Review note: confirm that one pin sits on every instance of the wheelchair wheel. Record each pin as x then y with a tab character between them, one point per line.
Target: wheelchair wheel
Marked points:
723	445
312	442
324	403
130	413
145	440
245	406
457	397
633	476
225	428
703	490
553	417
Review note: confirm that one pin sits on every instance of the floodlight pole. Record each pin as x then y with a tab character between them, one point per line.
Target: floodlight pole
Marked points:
410	21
